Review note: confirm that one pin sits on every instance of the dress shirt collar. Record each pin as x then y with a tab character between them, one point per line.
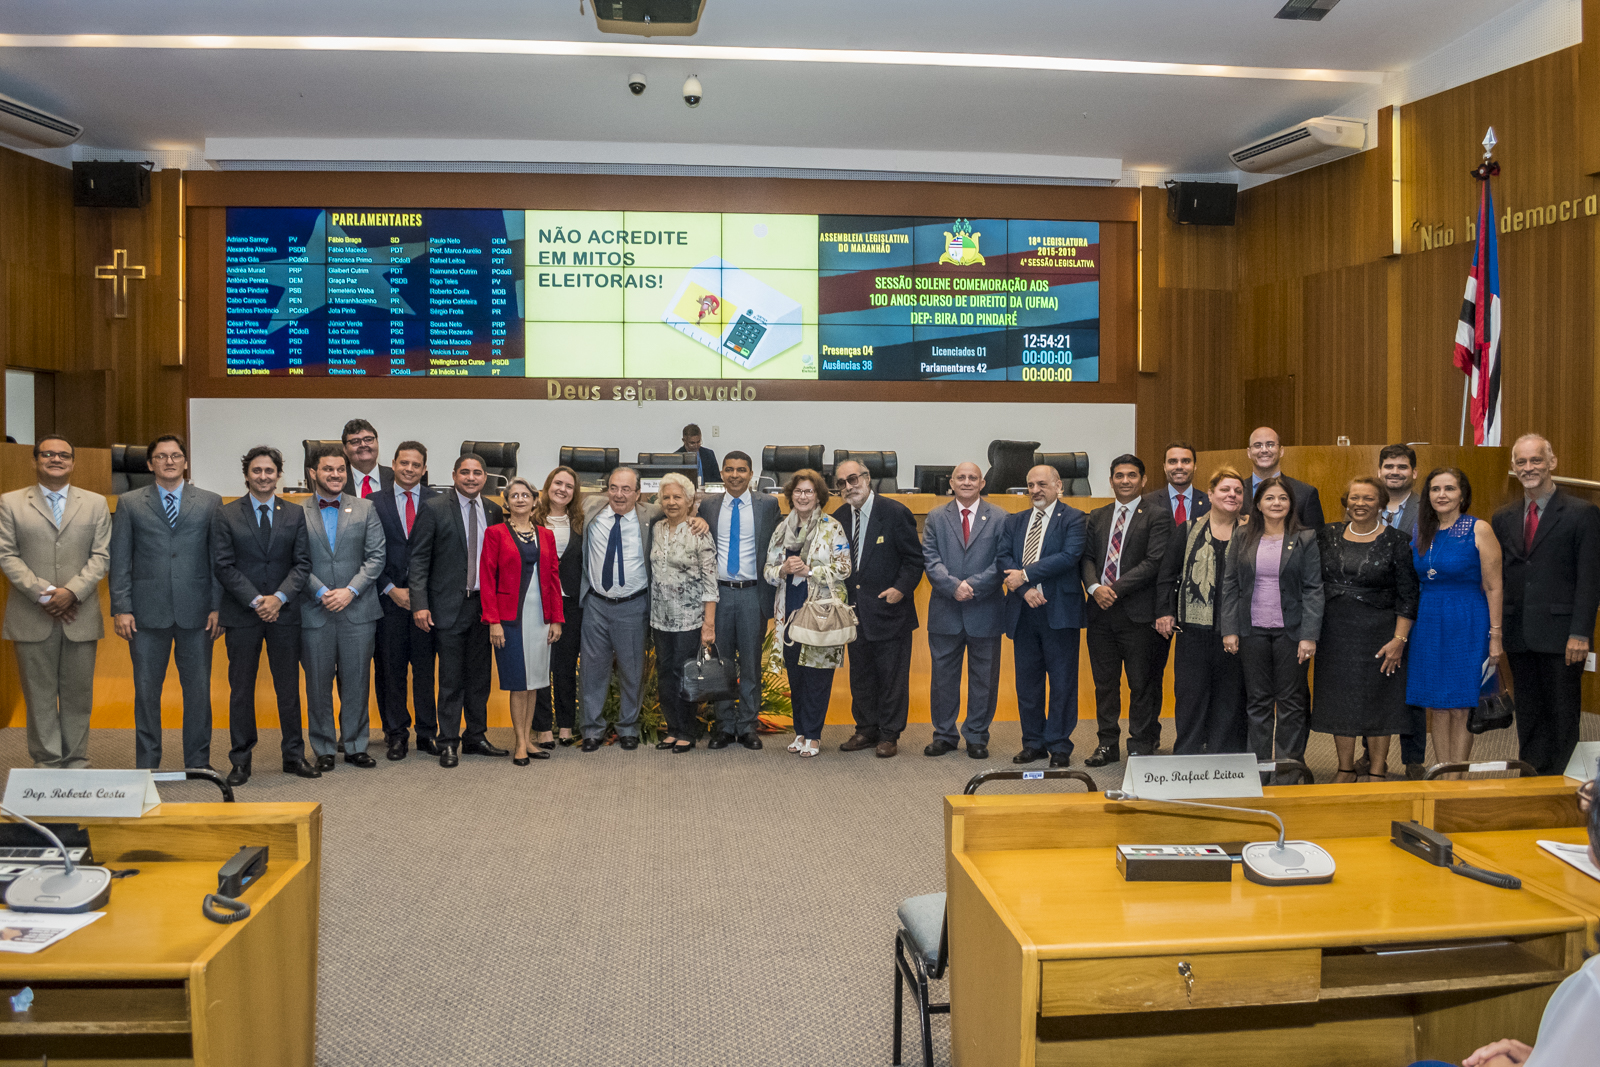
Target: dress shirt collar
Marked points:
1048	510
1187	493
256	502
465	502
400	494
176	494
48	493
357	478
1541	501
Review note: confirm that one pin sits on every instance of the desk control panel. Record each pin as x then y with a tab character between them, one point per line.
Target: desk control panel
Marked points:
1174	863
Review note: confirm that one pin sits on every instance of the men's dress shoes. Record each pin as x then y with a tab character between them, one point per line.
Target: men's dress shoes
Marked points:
750	741
977	751
448	756
887	749
428	745
857	742
720	741
938	748
239	775
1060	759
398	748
628	743
591	744
301	768
360	759
1029	755
1141	750
325	763
483	748
1103	755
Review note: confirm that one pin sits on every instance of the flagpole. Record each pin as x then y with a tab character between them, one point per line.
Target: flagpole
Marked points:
1470	359
1466	393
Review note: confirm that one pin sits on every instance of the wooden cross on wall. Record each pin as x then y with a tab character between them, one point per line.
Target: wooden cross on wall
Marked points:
117	272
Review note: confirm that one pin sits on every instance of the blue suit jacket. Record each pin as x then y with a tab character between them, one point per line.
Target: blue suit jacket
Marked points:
396	545
1056	570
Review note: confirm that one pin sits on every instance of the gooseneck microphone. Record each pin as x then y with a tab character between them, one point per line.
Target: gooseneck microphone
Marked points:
1265	862
63	891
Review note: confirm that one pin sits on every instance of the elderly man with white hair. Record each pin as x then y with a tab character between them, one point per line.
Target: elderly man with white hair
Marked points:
1550	547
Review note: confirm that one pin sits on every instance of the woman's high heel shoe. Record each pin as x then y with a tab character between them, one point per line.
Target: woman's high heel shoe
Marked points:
520	761
567	742
547	745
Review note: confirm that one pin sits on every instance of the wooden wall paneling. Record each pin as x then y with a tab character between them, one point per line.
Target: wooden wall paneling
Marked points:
1587	115
37	323
84	408
1196	397
1152	338
1345	348
1273	402
1431	286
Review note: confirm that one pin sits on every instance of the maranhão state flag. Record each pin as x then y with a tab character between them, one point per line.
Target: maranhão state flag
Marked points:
1478	333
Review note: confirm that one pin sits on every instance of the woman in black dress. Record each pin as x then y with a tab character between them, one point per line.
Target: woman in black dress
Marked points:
560	507
1371	593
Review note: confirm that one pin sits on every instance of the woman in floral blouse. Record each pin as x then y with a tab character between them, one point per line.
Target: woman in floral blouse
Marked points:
683	604
808	557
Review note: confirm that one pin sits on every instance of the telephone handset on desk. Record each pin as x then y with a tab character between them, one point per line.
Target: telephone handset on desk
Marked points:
1436	848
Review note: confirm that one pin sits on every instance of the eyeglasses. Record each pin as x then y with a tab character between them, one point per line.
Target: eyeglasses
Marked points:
853	480
167	457
55	455
369	439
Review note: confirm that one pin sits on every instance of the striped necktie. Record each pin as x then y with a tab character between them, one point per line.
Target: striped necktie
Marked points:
1114	550
58	505
172	509
1030	547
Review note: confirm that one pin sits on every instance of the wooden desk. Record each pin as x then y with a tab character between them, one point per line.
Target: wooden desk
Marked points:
154	980
1517	852
1055	959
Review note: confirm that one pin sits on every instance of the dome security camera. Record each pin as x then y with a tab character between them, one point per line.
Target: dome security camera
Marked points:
692	93
636	84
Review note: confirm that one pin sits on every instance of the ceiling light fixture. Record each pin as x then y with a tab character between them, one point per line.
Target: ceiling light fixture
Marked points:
681	52
1305	10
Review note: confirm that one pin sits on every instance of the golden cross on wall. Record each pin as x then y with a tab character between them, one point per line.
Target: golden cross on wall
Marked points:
117	272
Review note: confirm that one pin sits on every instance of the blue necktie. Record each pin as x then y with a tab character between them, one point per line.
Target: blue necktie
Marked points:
58	504
172	509
735	549
614	556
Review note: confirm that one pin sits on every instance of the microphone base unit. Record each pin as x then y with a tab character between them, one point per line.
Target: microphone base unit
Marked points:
1292	863
1174	863
55	890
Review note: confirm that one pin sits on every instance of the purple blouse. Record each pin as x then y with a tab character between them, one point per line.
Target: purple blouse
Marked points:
1266	600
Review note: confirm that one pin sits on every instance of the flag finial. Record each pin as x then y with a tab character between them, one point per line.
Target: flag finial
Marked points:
1489	142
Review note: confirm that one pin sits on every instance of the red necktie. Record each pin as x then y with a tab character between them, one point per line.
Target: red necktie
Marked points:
966	525
1180	514
366	486
411	511
1532	526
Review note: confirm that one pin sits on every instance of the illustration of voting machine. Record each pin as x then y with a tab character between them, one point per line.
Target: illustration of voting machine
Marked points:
734	313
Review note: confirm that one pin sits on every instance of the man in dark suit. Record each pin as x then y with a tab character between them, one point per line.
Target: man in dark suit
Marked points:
1040	550
886	565
1182	499
367	476
165	599
401	647
706	459
258	544
446	543
1550	547
966	612
1127	539
1265	456
741	526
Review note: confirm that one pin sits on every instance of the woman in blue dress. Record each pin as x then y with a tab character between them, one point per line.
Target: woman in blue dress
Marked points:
1457	558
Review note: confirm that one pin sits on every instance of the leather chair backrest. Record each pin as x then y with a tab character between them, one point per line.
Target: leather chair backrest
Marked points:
499	460
130	468
1073	468
778	462
1008	465
884	467
667	459
310	446
585	460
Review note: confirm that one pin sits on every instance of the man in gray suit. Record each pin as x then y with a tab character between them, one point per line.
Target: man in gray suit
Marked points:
165	599
340	612
55	546
966	616
615	593
741	524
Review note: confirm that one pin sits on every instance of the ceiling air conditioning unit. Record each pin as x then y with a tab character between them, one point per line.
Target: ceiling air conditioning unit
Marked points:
1311	143
22	126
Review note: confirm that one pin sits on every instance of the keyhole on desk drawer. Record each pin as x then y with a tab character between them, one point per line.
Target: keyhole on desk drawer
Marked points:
1186	972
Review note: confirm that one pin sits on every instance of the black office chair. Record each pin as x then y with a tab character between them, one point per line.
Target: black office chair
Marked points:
1073	468
130	468
667	459
499	460
883	467
593	465
311	446
1009	462
1522	767
779	462
922	944
932	479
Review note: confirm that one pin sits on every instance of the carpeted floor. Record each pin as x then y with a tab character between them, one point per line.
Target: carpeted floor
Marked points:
718	908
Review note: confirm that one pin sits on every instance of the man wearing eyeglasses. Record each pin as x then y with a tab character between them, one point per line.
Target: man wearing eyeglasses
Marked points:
166	598
1265	456
886	566
55	546
367	475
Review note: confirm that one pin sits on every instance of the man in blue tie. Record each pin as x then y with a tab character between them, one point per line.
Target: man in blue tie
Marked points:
615	593
741	526
706	462
165	599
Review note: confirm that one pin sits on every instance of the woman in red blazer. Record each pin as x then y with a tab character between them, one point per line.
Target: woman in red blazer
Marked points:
520	579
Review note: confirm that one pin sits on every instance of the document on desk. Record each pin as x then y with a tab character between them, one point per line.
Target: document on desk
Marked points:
25	931
1577	855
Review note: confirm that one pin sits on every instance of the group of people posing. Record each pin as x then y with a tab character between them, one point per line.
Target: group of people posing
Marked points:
1400	603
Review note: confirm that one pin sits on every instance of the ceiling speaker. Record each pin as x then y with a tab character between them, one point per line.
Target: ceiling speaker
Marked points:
107	184
1201	203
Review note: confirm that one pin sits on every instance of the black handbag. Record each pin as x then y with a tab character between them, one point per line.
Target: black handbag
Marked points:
709	677
1496	708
